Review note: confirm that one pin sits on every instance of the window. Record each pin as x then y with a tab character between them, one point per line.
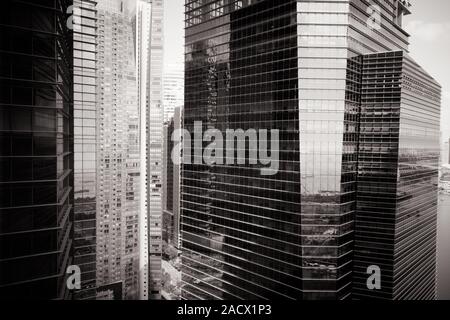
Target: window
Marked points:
21	144
44	120
4	119
21	169
22	96
44	169
44	144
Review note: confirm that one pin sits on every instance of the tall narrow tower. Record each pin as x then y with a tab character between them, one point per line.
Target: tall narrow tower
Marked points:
149	49
155	147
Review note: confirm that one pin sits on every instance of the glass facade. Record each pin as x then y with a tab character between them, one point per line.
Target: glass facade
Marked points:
85	140
331	38
299	67
168	194
395	224
328	139
36	149
241	232
171	185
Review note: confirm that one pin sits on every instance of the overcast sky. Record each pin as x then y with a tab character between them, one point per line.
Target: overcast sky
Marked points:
429	26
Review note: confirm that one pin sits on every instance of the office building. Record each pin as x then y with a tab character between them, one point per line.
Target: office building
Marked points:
36	149
305	69
173	89
118	153
142	25
85	141
149	59
398	168
171	185
154	145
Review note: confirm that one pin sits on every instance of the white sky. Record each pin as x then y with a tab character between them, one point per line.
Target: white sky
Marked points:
429	26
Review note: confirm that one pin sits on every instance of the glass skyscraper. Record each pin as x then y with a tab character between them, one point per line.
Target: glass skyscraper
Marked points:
171	185
36	149
398	161
304	68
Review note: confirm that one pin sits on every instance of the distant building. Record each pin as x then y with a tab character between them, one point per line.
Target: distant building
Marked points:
154	145
448	149
173	89
171	185
149	62
111	291
445	152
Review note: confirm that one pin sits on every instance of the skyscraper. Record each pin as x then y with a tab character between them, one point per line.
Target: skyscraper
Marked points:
142	25
85	142
154	145
173	89
149	48
304	68
118	154
171	184
397	191
36	149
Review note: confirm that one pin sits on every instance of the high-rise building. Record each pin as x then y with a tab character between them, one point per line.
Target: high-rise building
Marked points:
85	141
173	89
167	229
307	232
171	184
154	148
142	25
149	59
397	190
36	149
118	154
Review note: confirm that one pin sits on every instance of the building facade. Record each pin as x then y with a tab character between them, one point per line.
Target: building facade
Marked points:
171	185
149	49
142	25
301	67
118	154
173	89
36	149
154	146
398	169
85	145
